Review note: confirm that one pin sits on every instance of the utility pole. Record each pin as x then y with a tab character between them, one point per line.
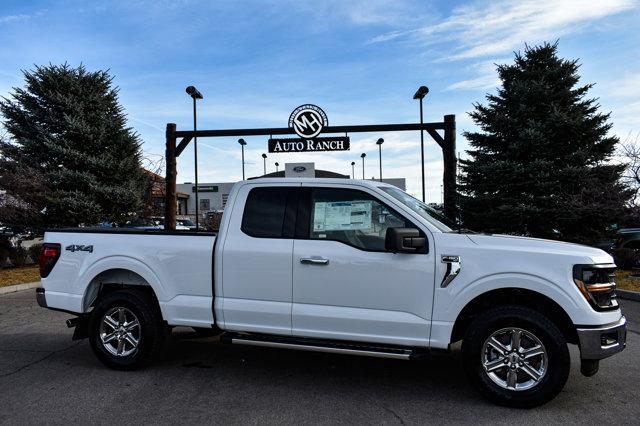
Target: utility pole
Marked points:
379	143
242	144
170	179
195	94
420	94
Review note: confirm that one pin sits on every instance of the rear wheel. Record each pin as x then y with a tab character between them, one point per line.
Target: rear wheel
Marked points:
516	356
126	330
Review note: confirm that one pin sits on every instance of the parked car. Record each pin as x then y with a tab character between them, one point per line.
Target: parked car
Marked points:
20	233
156	223
142	223
625	250
348	267
186	224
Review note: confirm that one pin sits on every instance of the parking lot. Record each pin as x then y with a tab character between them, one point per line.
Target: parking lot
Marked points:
45	378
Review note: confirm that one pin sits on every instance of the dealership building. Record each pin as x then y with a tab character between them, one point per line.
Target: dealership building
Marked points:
213	196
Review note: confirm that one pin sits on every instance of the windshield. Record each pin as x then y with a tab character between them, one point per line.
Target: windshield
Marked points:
439	220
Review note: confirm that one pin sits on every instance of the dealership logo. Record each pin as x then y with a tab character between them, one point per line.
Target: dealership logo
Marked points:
308	121
299	169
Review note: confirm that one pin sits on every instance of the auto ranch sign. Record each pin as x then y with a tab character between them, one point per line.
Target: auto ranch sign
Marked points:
307	121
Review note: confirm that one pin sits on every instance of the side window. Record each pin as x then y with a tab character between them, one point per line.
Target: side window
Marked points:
267	212
352	217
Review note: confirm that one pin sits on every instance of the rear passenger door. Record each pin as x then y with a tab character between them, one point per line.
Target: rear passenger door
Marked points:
257	262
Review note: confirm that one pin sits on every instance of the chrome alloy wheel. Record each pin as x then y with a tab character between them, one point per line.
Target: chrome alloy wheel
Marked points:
514	359
120	331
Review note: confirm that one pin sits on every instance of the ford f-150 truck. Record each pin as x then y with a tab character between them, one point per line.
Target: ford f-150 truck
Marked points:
342	266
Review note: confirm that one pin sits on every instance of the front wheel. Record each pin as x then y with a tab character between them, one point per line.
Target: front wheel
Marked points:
126	330
516	356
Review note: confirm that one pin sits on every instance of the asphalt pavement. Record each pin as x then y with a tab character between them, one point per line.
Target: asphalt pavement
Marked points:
47	378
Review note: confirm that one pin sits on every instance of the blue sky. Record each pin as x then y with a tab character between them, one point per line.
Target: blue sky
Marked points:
361	61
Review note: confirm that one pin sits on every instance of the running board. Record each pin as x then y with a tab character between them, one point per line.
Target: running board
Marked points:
302	344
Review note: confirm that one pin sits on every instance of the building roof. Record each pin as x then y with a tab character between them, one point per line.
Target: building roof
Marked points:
319	174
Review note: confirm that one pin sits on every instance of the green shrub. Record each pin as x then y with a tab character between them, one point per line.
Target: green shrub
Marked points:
18	256
34	252
4	254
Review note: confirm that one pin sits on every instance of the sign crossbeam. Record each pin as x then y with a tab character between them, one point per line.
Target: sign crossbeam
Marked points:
307	122
329	129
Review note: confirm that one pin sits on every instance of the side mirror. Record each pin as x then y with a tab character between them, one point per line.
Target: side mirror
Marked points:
403	240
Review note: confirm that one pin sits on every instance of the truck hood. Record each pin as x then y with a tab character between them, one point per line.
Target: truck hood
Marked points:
538	245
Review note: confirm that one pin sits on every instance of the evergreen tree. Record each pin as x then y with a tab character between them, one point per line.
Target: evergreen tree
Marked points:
69	158
540	165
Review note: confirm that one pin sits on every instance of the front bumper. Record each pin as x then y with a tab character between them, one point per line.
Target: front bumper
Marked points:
602	341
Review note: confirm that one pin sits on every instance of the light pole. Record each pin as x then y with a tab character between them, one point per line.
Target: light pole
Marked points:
379	142
353	169
264	161
420	94
195	94
277	166
362	156
242	144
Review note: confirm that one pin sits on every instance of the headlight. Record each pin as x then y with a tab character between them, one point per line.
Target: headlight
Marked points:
597	284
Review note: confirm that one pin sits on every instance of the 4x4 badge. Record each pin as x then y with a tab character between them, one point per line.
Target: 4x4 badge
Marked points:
73	248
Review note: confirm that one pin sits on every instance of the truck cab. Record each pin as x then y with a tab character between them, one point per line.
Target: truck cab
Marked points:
343	266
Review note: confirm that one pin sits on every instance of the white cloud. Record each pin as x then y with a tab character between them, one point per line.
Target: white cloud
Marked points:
6	19
487	77
485	81
359	12
491	28
626	87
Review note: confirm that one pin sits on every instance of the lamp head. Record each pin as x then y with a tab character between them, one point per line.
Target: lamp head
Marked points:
242	141
277	164
380	141
193	92
363	155
353	163
421	92
264	155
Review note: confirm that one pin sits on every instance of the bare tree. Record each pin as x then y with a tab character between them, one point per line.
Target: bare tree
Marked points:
630	151
154	187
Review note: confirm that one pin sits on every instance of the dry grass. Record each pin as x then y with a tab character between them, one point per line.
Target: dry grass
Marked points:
625	281
12	276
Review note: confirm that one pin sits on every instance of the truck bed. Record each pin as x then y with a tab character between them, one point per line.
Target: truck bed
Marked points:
177	265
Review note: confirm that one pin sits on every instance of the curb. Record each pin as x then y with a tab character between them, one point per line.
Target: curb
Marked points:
18	287
628	295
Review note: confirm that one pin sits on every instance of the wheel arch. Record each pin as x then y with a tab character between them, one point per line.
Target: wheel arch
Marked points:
514	296
118	273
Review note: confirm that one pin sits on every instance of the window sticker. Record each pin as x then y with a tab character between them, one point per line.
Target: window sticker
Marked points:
342	215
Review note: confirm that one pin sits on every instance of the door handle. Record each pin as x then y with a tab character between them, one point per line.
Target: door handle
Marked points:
314	261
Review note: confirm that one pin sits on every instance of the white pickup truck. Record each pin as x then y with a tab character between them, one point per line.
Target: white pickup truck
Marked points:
343	266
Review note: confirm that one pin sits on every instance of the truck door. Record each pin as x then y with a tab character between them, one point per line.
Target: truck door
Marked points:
256	263
345	285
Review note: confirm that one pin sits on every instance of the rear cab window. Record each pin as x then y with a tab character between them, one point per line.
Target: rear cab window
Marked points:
269	212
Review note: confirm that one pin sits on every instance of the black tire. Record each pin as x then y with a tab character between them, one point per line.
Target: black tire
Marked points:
495	320
151	332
